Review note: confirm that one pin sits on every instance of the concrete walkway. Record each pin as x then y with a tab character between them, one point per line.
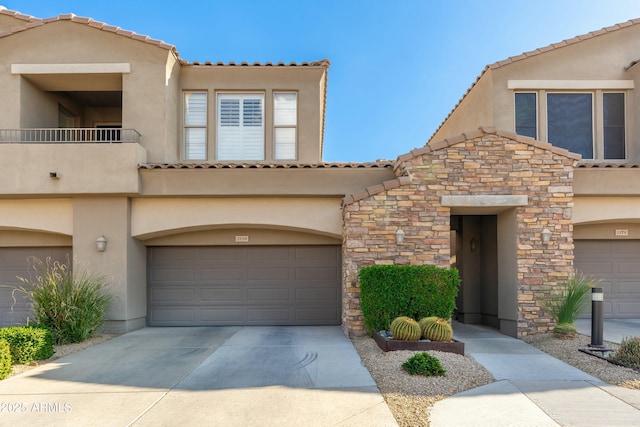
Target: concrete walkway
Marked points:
224	376
531	389
614	330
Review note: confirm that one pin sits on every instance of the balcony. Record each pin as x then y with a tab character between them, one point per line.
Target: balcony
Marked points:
69	136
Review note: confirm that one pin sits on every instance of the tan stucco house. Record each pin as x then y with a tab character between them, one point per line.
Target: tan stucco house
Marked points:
207	182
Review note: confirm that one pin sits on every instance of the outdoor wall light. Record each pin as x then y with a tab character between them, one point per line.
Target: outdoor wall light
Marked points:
101	243
546	236
474	245
399	236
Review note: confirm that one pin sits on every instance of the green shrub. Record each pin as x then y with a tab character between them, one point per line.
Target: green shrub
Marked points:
629	353
567	300
424	364
5	359
71	305
416	291
28	343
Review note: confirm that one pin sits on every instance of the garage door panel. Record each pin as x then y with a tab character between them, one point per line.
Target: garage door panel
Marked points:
630	288
268	315
315	253
171	295
173	275
202	253
174	315
227	316
258	285
624	267
310	273
321	295
228	295
616	263
275	254
268	295
266	273
220	273
628	309
601	267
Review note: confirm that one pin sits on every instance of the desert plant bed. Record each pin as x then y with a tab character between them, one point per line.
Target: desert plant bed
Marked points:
386	343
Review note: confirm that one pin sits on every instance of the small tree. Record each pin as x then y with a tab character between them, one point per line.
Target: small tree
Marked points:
566	302
71	305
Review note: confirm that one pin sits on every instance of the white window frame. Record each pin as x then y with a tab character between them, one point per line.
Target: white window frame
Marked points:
282	150
188	126
241	142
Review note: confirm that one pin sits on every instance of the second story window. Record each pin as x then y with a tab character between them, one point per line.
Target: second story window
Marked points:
590	123
570	122
195	125
285	119
526	110
240	130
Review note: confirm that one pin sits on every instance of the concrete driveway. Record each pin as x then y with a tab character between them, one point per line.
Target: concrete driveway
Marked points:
280	376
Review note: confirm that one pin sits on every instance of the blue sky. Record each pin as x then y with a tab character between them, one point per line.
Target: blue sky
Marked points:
398	67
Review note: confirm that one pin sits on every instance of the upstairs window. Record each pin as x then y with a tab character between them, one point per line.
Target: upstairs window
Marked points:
285	119
590	123
526	114
613	124
240	127
195	125
570	122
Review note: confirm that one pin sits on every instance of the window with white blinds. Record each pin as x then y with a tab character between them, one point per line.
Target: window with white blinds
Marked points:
195	125
240	133
285	119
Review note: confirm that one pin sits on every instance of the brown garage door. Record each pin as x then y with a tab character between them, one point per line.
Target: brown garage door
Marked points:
14	262
250	285
617	264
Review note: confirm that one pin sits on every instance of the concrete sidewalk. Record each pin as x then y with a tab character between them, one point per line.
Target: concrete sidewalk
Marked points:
531	389
227	376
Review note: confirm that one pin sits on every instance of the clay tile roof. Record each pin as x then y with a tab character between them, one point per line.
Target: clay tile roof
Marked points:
381	164
31	22
607	165
536	52
323	63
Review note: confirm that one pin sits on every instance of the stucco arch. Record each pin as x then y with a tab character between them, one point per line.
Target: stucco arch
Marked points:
37	215
590	210
157	217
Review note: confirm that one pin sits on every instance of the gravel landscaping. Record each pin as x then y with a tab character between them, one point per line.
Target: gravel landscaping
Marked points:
411	397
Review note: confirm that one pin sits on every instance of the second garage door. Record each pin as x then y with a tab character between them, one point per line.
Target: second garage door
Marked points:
251	285
14	262
617	264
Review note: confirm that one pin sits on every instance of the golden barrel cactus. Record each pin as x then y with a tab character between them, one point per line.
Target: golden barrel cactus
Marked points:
405	328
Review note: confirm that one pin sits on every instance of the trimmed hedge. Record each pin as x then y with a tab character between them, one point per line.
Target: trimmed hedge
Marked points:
28	343
416	291
5	359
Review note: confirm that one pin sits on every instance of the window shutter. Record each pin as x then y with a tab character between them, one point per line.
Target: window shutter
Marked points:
240	127
195	122
285	119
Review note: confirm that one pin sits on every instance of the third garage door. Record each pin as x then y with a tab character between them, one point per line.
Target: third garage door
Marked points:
617	264
251	285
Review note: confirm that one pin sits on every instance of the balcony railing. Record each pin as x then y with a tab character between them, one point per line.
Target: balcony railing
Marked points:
68	136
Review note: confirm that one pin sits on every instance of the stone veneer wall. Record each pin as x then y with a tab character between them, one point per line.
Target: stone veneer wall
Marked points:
485	161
